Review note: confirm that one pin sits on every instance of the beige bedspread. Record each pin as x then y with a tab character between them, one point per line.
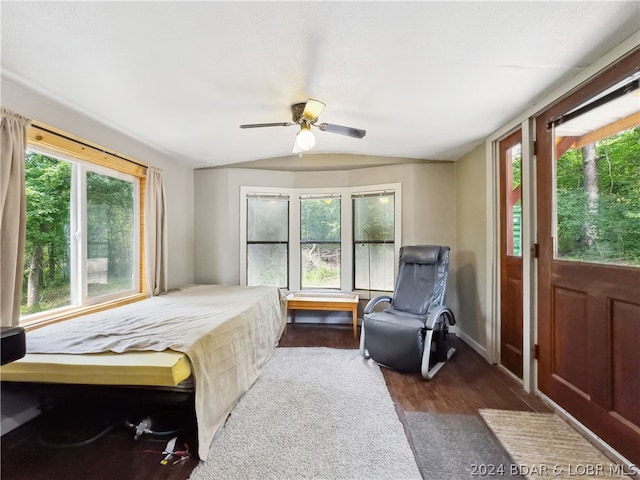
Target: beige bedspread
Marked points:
228	333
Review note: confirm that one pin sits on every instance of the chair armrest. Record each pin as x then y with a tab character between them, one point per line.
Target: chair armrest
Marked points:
440	312
375	301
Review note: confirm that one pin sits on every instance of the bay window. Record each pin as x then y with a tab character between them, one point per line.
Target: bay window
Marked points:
320	238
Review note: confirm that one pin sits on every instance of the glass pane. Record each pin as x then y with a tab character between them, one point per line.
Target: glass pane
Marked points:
514	201
320	220
267	264
320	264
320	260
267	219
373	218
374	265
373	222
110	235
516	230
47	257
598	185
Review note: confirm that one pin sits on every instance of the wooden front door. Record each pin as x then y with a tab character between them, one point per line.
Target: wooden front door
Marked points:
511	253
588	214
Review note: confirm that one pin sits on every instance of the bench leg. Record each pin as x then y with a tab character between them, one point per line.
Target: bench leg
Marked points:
355	322
293	320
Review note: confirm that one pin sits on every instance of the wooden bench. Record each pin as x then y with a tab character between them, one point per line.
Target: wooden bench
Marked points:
331	301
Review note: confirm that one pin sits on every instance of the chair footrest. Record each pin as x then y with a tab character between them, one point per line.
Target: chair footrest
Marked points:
396	345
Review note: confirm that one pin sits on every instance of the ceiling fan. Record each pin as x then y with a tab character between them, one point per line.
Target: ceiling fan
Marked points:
306	115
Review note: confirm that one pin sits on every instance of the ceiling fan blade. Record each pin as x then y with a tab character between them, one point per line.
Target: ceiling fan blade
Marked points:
259	125
342	130
313	109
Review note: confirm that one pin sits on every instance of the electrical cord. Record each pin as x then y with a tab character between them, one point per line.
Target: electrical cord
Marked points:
83	443
145	426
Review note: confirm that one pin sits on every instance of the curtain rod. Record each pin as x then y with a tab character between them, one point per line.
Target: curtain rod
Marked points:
39	127
620	92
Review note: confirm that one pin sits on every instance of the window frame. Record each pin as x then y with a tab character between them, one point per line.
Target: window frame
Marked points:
316	196
584	112
88	157
266	242
354	243
346	229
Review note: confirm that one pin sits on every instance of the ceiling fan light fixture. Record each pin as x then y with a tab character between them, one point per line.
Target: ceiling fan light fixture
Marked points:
306	115
305	139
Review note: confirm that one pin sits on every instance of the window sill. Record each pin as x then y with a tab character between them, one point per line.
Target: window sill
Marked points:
76	312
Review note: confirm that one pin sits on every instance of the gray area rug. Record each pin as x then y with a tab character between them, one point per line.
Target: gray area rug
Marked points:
452	447
314	413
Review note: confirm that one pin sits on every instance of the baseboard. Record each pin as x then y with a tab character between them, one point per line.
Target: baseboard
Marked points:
509	373
595	439
19	419
473	344
18	407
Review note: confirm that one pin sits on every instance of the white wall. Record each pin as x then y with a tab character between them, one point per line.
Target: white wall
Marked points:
428	209
471	256
217	219
178	178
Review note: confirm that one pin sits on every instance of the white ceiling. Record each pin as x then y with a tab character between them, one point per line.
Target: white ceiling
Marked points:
426	80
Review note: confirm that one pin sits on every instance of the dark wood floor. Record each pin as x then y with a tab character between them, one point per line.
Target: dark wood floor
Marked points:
465	384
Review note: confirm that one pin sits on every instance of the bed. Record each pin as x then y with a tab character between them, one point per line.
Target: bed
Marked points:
212	338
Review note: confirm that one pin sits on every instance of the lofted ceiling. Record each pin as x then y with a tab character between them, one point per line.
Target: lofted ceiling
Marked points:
426	80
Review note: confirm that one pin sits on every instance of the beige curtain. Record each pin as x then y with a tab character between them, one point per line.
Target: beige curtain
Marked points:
155	227
13	144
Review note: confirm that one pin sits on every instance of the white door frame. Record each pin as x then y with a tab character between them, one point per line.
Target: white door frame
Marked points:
493	252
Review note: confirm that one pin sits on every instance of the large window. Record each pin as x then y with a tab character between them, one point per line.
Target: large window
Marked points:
341	239
83	223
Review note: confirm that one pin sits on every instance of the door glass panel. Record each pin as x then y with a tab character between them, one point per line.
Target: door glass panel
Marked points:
514	200
597	184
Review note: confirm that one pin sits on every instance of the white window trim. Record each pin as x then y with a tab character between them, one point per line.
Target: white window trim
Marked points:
346	233
397	188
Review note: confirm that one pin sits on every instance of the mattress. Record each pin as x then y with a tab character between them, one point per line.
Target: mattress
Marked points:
167	368
219	334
